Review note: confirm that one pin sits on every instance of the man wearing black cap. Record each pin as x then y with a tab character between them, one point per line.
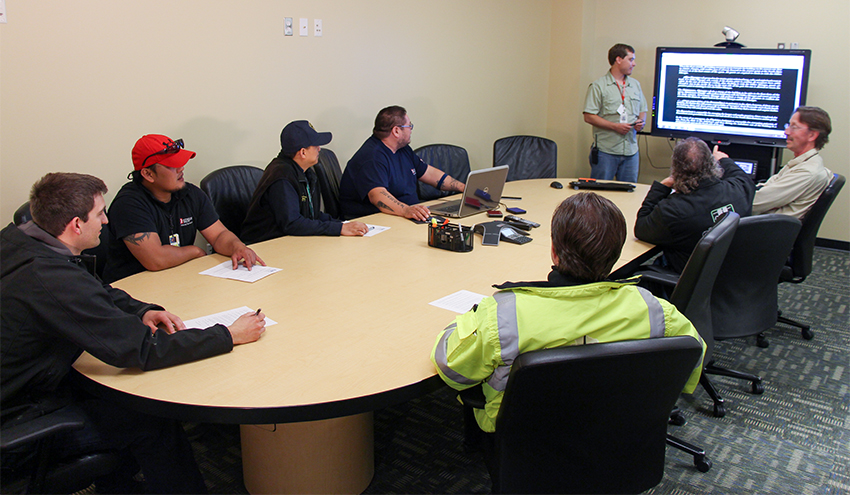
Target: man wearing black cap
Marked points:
286	201
154	218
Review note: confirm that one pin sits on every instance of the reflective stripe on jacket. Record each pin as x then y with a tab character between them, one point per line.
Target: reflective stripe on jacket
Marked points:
481	345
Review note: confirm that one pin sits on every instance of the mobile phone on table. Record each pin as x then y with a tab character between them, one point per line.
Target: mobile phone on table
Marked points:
515	211
494	213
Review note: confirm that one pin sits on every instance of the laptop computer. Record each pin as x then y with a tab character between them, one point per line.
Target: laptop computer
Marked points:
483	192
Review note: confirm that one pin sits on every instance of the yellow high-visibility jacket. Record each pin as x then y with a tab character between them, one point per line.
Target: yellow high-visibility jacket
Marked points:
481	345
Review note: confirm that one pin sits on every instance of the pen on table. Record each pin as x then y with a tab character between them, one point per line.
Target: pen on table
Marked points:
511	197
258	312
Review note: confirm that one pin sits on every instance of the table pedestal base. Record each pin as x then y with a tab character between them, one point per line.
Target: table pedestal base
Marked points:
328	456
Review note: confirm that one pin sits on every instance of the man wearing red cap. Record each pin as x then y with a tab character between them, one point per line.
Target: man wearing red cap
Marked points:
155	217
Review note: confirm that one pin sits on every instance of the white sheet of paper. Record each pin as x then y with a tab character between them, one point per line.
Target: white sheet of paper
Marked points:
374	229
225	318
225	270
459	302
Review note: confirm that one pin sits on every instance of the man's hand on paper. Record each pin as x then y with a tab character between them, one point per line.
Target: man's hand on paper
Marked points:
247	328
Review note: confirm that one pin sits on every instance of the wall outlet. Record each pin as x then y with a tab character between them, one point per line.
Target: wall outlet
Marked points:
302	27
317	27
287	26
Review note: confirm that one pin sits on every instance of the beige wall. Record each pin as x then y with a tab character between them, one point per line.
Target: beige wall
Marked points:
819	25
81	81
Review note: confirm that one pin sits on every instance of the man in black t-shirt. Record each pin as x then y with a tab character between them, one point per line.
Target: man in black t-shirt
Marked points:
154	218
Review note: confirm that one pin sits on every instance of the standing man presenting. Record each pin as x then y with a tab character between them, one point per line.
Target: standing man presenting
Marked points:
616	108
382	175
156	215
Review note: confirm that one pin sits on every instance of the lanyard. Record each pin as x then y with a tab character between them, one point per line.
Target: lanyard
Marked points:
310	200
622	90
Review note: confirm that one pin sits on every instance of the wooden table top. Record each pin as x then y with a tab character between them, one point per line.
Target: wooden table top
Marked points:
355	329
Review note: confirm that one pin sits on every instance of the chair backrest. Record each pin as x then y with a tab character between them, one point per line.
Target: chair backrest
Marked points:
799	265
329	174
449	158
231	189
22	214
744	299
591	418
692	295
529	157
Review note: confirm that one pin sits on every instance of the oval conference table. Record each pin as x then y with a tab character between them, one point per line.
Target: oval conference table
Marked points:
354	334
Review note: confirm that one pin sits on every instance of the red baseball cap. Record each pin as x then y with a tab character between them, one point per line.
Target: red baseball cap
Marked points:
156	148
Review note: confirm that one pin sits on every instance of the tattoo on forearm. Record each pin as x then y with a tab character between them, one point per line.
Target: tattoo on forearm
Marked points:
452	184
138	238
382	206
392	199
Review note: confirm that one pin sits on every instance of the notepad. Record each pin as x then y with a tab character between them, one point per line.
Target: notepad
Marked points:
225	270
226	318
459	302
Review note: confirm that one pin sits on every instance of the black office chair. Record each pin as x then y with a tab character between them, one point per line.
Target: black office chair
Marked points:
22	214
529	157
799	264
449	158
95	256
329	174
583	419
692	292
744	300
231	189
45	473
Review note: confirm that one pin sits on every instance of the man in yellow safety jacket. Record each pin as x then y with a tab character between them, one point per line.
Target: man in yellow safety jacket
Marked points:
575	306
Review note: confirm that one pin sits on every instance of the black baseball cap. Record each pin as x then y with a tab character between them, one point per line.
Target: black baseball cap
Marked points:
301	134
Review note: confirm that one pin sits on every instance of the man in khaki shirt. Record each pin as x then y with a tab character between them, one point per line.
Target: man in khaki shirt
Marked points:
801	181
616	108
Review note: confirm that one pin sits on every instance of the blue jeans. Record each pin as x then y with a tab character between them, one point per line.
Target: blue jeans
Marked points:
625	168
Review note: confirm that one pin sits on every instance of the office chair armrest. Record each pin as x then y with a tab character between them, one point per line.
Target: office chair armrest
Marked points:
64	419
473	397
659	275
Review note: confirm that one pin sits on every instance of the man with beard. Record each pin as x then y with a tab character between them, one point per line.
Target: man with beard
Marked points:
382	175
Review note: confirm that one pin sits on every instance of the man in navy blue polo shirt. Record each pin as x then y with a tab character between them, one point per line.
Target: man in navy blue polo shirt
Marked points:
382	175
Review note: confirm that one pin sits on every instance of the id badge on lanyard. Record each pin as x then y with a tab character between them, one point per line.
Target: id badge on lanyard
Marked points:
174	240
624	114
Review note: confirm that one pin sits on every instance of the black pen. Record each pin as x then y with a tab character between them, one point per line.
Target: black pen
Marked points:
257	313
511	197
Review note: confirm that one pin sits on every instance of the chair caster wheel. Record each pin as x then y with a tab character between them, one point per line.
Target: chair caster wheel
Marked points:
677	418
807	333
703	465
758	388
719	410
762	342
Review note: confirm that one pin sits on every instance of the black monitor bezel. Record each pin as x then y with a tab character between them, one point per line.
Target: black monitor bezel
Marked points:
724	138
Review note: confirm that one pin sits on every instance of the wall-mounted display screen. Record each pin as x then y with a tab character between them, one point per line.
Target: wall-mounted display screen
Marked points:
742	95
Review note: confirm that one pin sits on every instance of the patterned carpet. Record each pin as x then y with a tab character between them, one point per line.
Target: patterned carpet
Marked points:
795	438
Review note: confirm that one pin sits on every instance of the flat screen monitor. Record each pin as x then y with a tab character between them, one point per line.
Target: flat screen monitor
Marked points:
728	95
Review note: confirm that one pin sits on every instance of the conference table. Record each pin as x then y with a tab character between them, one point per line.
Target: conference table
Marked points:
354	335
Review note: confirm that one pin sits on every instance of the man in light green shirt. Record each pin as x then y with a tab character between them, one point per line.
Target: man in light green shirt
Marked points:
616	108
